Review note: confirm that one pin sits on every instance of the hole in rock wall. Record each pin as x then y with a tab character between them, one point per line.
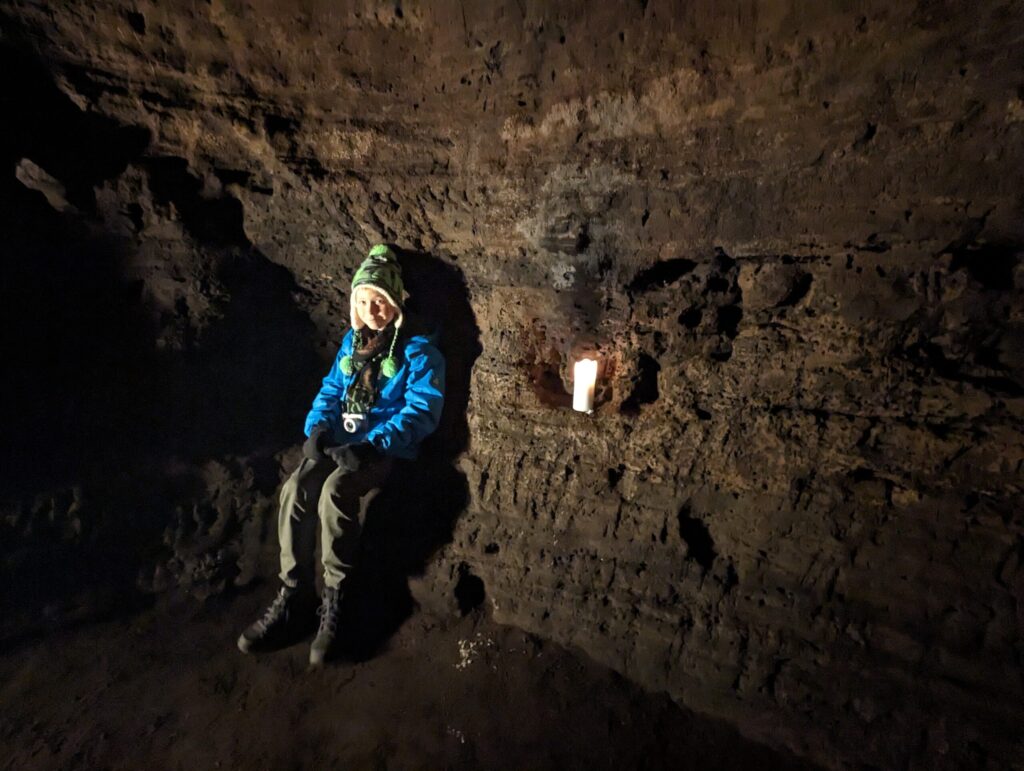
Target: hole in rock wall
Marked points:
710	300
991	264
699	546
662	274
615	476
691	317
717	285
469	591
725	298
137	22
799	289
543	363
645	390
983	349
728	320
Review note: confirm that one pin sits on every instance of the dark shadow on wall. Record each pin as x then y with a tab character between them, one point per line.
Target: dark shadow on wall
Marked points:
68	320
102	430
72	336
415	513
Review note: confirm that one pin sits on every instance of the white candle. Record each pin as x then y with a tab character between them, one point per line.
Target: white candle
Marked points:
584	376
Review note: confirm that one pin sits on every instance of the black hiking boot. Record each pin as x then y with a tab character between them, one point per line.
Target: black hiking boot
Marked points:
328	612
290	611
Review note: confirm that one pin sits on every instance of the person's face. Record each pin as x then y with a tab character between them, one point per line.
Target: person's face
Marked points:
373	308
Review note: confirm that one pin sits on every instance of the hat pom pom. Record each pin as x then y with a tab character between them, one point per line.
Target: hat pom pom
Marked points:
389	367
346	365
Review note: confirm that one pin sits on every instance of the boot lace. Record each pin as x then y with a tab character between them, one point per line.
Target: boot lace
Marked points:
328	612
274	612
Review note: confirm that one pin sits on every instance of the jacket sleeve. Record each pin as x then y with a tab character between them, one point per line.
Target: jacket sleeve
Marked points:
424	400
327	403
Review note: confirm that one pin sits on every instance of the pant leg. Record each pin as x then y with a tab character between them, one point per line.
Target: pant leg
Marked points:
340	515
296	522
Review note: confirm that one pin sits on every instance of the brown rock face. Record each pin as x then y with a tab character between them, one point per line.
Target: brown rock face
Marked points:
792	236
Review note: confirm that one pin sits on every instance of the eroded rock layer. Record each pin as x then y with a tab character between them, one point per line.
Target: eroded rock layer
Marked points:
792	236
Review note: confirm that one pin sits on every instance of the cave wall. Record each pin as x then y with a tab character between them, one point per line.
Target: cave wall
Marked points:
793	236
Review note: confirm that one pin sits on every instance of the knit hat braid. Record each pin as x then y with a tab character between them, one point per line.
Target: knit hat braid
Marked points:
379	271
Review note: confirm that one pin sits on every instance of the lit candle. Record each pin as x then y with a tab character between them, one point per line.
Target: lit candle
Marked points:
584	375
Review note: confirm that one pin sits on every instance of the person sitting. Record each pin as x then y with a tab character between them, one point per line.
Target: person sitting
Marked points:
381	398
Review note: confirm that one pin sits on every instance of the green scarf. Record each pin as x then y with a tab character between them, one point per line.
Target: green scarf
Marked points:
368	349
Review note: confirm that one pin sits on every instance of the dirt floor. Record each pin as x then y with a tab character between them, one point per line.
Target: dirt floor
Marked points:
168	689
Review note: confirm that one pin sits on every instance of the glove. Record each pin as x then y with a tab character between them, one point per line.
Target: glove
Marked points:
352	457
313	447
344	457
365	452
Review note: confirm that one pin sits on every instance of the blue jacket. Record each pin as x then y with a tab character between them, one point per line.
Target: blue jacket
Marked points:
408	407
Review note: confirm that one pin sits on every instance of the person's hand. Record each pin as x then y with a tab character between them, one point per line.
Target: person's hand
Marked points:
344	457
365	452
313	447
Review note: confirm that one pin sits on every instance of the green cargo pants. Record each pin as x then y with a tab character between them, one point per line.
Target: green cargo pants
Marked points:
319	490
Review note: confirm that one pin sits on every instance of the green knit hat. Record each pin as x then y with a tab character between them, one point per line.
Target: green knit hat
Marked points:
380	271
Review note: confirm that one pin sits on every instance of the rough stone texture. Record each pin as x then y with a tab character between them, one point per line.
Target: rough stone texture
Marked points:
792	235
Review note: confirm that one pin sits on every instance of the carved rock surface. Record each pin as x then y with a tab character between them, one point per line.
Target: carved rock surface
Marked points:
793	237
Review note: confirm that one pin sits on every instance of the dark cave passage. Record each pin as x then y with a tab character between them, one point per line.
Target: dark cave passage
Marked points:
113	402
